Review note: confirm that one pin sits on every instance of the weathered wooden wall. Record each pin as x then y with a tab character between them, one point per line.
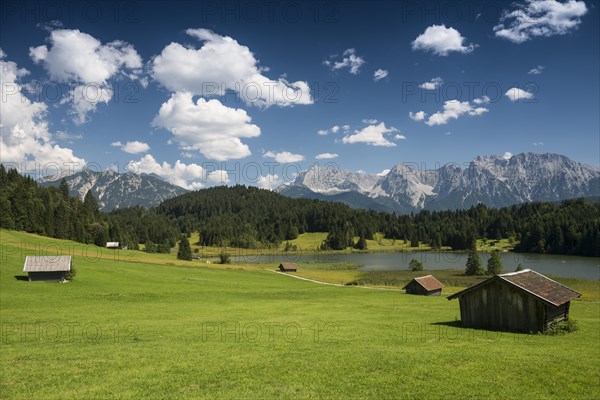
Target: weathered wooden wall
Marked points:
502	307
49	276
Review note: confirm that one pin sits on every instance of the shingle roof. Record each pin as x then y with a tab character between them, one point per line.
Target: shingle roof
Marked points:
428	282
534	283
541	286
47	263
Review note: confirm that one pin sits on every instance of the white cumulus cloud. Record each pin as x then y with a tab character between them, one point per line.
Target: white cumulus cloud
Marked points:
284	157
380	74
374	135
433	84
132	147
219	177
24	134
539	18
349	60
507	155
268	181
207	126
384	172
221	64
516	94
417	116
453	109
326	156
87	65
188	176
441	41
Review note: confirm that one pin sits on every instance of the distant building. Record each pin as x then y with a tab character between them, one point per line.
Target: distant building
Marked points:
47	268
288	267
523	301
424	285
112	245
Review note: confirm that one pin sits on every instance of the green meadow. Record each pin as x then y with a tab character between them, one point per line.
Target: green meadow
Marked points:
134	325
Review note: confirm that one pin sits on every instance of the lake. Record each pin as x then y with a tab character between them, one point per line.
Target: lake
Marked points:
562	266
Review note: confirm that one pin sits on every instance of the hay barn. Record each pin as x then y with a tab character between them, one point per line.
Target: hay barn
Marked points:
47	268
524	301
288	267
424	285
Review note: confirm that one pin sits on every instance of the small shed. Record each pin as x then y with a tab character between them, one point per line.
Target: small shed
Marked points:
112	245
288	267
47	268
524	301
424	285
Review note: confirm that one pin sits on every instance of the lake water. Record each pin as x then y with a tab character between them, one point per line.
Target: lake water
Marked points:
562	266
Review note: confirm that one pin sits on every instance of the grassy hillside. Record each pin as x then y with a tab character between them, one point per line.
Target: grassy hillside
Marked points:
143	329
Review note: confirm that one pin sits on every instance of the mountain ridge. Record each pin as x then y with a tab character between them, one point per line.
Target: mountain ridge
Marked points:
118	190
492	180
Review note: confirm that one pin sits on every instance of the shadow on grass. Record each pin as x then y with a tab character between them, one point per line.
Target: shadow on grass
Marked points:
453	324
22	277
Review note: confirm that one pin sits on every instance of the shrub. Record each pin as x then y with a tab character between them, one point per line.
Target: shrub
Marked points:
70	275
562	327
224	258
415	265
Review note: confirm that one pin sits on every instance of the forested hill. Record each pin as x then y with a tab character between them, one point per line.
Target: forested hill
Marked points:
251	217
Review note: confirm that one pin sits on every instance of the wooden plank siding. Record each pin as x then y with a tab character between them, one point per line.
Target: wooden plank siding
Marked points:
499	306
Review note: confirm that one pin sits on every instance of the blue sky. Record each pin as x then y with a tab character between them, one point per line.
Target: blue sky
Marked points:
133	85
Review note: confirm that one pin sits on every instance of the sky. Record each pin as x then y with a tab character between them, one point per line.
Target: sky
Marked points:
208	93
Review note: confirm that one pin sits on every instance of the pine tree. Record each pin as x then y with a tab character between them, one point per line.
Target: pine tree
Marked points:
63	188
494	265
185	251
473	266
361	244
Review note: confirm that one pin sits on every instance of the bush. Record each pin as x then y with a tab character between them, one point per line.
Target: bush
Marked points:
562	327
224	258
70	275
415	265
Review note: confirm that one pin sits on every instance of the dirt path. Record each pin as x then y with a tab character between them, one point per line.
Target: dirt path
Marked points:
334	284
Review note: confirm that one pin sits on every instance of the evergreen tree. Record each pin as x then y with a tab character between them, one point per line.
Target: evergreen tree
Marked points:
63	188
99	234
519	267
361	244
473	266
185	251
494	264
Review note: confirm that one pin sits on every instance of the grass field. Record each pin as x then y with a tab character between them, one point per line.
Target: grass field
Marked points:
134	327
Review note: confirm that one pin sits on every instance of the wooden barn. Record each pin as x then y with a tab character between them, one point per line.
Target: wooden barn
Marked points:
524	301
288	267
47	268
112	245
424	285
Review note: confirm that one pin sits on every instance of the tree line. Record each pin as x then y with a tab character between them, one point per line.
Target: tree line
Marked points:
249	217
50	211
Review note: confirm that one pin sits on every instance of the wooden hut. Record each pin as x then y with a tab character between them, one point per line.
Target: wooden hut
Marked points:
424	285
288	267
47	268
524	301
112	245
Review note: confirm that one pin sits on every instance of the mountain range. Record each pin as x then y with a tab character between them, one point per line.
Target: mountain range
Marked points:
115	190
492	180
